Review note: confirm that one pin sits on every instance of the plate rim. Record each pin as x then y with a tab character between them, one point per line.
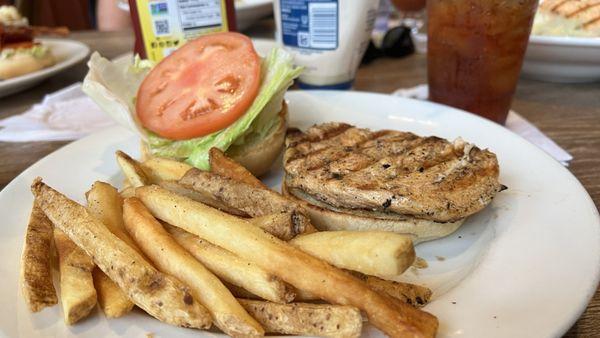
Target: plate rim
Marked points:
571	41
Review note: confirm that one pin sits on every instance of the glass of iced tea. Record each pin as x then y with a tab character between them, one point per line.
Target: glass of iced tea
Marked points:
475	51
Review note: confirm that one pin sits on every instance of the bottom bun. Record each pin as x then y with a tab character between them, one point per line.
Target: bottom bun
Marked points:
421	230
22	63
258	156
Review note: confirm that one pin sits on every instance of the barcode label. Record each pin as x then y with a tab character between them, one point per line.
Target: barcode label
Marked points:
161	27
311	24
323	25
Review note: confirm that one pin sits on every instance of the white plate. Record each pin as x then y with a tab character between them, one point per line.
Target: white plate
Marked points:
526	266
67	54
562	59
247	12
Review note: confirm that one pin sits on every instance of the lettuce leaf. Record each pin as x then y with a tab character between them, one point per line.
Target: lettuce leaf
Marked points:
113	86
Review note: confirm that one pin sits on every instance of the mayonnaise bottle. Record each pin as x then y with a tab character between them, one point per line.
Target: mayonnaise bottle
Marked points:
326	37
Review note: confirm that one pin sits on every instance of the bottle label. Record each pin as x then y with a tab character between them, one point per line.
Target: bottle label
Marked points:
167	24
311	24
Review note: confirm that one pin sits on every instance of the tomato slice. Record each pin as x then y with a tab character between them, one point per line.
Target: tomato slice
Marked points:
202	87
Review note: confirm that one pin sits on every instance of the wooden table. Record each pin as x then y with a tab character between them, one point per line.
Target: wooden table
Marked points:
569	114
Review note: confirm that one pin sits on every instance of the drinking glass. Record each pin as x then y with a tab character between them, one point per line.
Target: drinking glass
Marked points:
475	51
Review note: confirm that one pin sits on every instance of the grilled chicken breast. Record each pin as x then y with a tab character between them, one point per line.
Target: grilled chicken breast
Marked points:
587	12
389	174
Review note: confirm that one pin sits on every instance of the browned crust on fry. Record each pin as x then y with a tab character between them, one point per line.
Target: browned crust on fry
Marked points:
36	272
322	320
253	201
408	293
162	296
201	196
281	225
222	165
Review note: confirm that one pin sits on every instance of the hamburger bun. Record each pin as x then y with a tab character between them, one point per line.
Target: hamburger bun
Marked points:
23	62
326	219
257	155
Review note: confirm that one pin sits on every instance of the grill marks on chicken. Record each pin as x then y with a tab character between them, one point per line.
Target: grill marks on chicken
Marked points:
390	171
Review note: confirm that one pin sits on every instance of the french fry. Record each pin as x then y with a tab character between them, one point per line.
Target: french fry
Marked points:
254	201
233	269
162	296
36	272
77	292
410	294
304	319
160	169
381	253
290	264
222	165
111	299
127	192
105	203
132	170
282	225
201	196
405	292
171	258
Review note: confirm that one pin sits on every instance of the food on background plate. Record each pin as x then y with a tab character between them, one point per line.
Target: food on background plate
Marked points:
19	53
350	178
10	16
577	18
214	91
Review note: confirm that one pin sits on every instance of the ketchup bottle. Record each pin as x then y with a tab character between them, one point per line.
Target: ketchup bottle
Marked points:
163	25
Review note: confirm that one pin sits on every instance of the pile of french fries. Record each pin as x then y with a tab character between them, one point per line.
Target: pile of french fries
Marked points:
201	248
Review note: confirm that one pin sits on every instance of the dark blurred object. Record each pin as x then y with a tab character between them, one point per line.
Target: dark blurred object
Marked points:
11	35
74	14
396	43
409	5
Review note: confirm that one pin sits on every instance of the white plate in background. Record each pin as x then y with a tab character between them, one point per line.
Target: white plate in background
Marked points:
526	266
67	53
562	59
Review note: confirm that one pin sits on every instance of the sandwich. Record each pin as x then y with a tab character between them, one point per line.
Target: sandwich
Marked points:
19	53
568	18
350	178
214	91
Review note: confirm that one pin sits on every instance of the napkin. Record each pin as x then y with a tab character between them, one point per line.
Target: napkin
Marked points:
67	114
514	122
